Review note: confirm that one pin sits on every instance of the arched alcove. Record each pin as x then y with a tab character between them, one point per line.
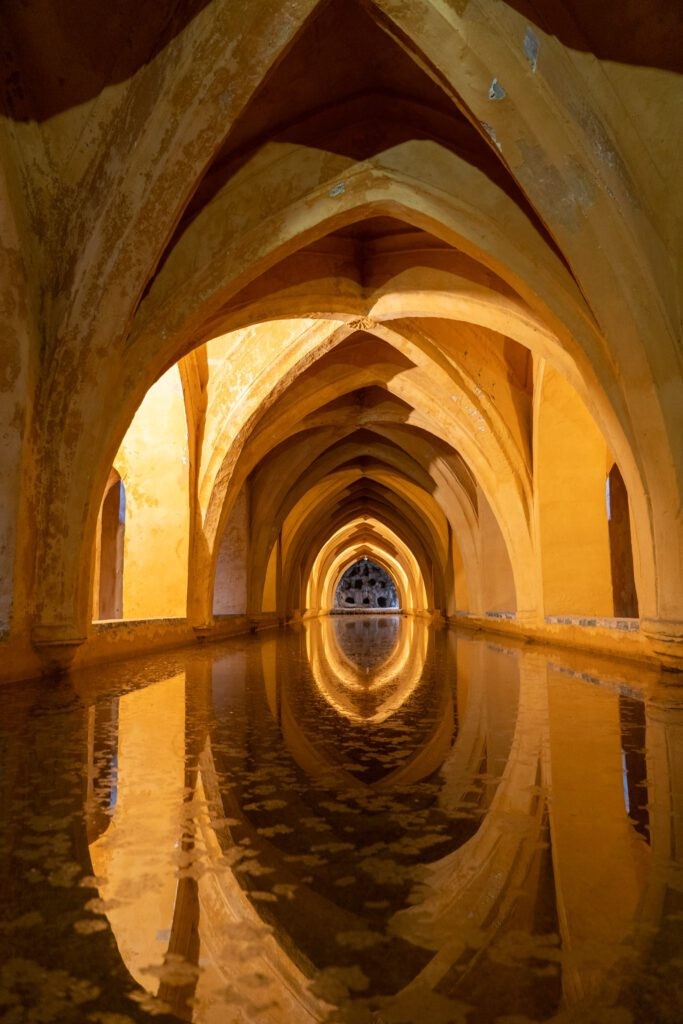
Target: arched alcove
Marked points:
153	461
365	586
108	581
620	547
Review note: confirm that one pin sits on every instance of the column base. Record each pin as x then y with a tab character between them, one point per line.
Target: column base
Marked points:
665	637
57	646
205	632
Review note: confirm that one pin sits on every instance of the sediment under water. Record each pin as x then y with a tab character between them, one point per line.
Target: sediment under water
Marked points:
365	821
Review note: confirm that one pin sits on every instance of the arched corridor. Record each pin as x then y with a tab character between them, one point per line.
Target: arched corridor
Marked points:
368	297
352	324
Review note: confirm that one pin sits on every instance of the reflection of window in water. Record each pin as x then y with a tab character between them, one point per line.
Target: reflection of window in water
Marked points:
634	767
367	642
366	585
102	773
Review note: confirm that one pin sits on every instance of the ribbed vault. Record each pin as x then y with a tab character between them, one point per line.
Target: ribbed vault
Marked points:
372	237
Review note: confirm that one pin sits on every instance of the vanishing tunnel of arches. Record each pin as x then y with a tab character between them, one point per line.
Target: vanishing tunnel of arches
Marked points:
355	301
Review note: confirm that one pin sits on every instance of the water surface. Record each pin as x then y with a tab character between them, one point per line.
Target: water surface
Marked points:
366	820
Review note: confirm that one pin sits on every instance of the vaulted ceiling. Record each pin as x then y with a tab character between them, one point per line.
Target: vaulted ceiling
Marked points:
360	226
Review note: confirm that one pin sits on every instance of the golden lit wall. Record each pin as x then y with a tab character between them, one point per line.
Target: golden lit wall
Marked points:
571	466
153	463
393	309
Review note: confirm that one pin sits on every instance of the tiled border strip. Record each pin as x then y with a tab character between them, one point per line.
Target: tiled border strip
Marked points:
626	625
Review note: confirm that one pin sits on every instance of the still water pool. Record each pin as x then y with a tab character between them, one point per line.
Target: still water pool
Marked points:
365	821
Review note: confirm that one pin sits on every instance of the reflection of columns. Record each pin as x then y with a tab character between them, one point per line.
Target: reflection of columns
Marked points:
470	892
137	855
599	861
465	759
47	733
238	947
658	928
665	765
184	939
486	717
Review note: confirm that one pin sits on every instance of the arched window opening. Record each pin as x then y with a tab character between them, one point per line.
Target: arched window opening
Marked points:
366	586
621	552
109	581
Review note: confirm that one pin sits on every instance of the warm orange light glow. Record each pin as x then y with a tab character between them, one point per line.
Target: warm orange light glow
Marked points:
370	696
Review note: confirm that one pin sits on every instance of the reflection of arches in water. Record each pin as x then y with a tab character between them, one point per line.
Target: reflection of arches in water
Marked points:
360	695
356	736
368	641
473	881
365	585
476	892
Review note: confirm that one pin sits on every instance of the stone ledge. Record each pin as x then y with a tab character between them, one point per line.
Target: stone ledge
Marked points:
602	622
580	633
619	686
115	625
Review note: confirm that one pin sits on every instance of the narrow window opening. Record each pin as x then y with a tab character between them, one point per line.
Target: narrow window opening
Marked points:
621	552
109	594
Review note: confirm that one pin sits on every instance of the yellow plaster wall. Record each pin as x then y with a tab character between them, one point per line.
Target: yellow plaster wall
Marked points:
153	464
497	583
230	587
460	598
269	602
571	457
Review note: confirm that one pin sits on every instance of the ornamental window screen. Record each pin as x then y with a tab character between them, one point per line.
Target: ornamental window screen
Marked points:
365	586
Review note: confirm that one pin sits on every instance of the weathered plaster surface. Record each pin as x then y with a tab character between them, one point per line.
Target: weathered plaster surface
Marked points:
414	306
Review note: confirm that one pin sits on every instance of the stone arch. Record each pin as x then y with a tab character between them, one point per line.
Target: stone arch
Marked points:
372	180
384	545
513	482
335	508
